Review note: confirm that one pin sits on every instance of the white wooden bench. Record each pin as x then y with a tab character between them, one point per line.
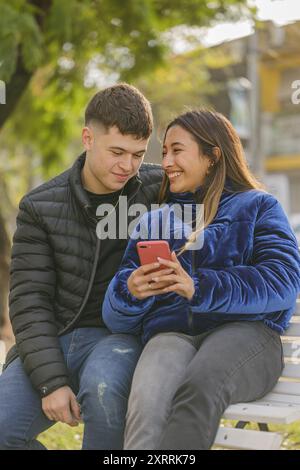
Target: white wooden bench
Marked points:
281	406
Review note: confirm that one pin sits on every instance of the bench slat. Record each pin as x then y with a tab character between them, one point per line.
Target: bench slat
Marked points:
291	371
289	388
293	330
292	350
247	439
263	412
281	398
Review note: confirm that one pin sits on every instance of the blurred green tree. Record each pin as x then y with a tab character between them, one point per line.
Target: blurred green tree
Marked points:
124	36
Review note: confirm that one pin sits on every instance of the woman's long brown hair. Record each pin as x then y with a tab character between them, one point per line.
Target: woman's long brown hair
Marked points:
212	129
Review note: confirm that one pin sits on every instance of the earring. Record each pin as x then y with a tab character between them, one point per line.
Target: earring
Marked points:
211	165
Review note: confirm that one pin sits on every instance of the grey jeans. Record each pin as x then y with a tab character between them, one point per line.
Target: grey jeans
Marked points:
183	384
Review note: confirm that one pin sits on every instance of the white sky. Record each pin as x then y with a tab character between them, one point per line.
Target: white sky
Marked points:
279	11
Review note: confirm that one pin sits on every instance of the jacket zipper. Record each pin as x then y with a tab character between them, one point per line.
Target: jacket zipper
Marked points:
190	313
92	277
76	318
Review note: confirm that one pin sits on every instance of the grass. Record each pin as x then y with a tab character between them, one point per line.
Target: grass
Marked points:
291	435
63	437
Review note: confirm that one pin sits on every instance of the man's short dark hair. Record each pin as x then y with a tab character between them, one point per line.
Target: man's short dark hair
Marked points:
124	106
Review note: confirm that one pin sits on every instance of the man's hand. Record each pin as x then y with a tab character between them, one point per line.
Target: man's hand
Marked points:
140	282
61	405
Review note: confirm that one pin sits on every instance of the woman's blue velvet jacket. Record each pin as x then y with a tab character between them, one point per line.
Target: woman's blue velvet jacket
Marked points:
248	269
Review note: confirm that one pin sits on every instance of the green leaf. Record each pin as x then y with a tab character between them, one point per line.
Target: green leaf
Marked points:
8	57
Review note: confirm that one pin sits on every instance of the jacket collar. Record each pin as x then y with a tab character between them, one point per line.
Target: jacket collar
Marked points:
196	197
181	198
80	194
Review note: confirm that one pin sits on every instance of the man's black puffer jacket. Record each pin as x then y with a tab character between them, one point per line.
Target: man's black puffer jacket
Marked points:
55	245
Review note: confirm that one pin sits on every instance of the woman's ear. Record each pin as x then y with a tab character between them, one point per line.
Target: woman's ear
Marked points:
217	153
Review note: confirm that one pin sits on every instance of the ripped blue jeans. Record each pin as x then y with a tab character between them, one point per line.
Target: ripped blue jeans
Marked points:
101	366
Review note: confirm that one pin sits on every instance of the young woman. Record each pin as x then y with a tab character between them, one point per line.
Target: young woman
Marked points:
211	319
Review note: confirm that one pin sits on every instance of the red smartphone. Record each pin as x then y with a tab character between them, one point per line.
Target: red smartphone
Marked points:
148	252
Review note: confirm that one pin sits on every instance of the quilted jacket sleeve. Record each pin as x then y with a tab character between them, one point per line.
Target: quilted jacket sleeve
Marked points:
121	311
272	281
32	288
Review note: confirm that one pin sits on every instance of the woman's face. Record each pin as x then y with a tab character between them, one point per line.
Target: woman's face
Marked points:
184	164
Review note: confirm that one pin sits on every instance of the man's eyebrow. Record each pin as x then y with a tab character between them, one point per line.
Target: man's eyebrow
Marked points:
117	148
124	150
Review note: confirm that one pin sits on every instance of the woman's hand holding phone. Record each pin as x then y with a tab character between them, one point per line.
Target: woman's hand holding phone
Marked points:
179	281
140	283
153	279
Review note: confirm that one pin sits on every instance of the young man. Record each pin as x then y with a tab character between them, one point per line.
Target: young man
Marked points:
66	365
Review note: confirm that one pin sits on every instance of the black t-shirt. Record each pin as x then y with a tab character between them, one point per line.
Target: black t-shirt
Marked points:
111	254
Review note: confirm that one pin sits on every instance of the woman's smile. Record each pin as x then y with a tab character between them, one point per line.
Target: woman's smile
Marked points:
174	175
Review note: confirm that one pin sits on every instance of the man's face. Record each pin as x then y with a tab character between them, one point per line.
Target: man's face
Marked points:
111	158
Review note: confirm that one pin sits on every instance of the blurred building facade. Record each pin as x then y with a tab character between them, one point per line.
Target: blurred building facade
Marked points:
275	93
